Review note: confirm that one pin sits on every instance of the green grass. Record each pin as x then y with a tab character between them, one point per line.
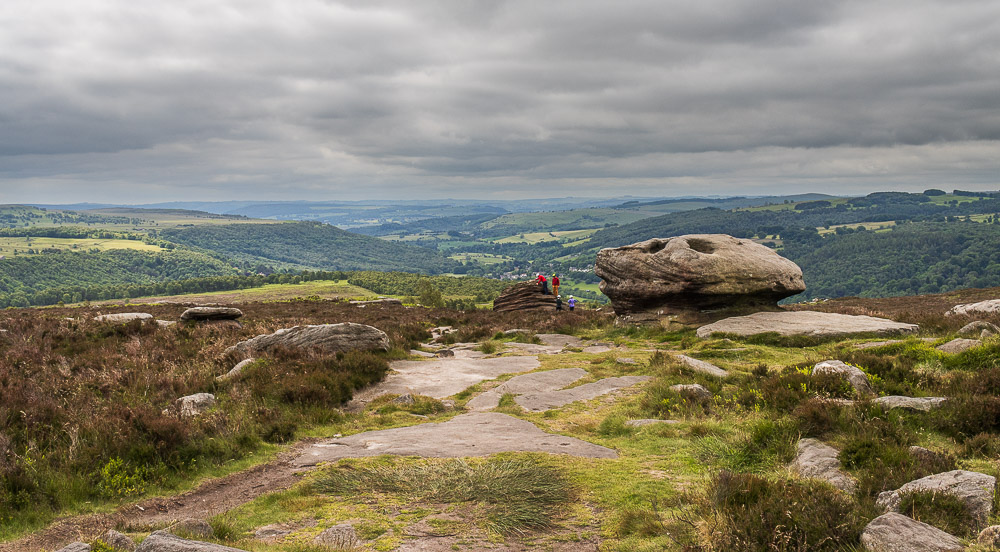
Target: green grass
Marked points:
20	246
317	289
566	236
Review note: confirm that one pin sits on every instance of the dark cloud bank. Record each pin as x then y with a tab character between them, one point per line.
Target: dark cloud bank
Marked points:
112	100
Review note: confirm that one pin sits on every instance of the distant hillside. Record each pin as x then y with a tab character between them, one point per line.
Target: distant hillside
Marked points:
309	245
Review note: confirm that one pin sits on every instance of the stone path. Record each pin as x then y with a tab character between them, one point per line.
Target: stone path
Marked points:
818	324
476	434
550	380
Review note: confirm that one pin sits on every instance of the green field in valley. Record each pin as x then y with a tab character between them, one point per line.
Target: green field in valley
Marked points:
35	245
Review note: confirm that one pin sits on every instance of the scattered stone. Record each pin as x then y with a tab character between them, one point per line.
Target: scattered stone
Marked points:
123	317
524	296
692	391
820	461
441	331
550	380
195	405
958	345
199	314
626	360
538	402
75	547
648	421
534	348
271	532
701	366
163	541
476	434
382	301
445	353
894	532
991	306
192	528
330	338
119	541
165	323
857	378
990	536
442	378
340	537
598	348
817	324
404	399
693	274
422	354
980	329
973	488
911	403
236	371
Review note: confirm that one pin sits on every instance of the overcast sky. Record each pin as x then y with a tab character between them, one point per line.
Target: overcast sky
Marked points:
126	101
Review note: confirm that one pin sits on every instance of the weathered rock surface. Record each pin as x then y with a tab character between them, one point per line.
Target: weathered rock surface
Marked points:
123	317
973	488
422	354
341	537
163	541
958	345
694	273
701	366
236	370
538	402
820	461
894	532
549	380
119	541
560	340
991	306
75	547
693	391
911	403
198	314
476	434
921	454
990	536
853	374
331	338
271	532
979	328
195	405
818	324
524	296
192	528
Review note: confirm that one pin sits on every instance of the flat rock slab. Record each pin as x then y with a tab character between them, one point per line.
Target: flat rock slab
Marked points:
597	349
123	317
956	346
872	344
211	313
538	402
162	541
534	348
820	461
476	434
549	380
423	354
330	338
562	340
912	403
991	306
894	532
973	488
819	324
702	366
445	377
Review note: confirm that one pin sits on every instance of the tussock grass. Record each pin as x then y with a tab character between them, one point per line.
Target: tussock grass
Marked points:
944	511
517	492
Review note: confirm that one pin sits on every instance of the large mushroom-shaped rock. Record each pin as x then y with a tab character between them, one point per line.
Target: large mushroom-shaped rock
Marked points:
211	313
692	274
524	296
973	488
894	532
331	338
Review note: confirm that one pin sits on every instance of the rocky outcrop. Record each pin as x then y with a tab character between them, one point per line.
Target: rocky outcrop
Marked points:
163	541
819	461
991	306
973	488
990	536
979	329
701	366
192	528
910	403
690	275
236	370
692	391
340	537
75	547
198	314
195	405
524	296
816	324
894	532
853	374
119	541
330	338
123	317
958	345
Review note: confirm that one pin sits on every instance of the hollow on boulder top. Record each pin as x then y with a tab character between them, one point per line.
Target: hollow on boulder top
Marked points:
524	296
691	277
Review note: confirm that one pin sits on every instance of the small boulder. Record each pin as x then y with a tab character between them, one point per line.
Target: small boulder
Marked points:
236	371
625	360
200	314
165	323
123	317
648	421
330	338
445	353
342	536
979	329
857	378
405	399
701	366
192	528
894	532
973	488
990	536
163	541
692	391
817	460
75	547
991	306
925	456
195	405
119	541
958	345
911	403
271	532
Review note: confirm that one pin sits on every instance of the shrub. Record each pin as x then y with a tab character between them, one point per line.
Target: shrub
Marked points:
614	426
119	480
757	513
944	511
765	444
963	417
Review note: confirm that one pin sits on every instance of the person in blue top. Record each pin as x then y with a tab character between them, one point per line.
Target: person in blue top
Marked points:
571	302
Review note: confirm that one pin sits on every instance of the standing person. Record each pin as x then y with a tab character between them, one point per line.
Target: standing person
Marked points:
543	283
555	284
558	300
572	302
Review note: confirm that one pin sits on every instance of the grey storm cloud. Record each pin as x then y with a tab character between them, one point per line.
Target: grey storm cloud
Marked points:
112	99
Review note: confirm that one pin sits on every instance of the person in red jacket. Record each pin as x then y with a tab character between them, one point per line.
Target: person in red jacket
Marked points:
555	284
543	283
